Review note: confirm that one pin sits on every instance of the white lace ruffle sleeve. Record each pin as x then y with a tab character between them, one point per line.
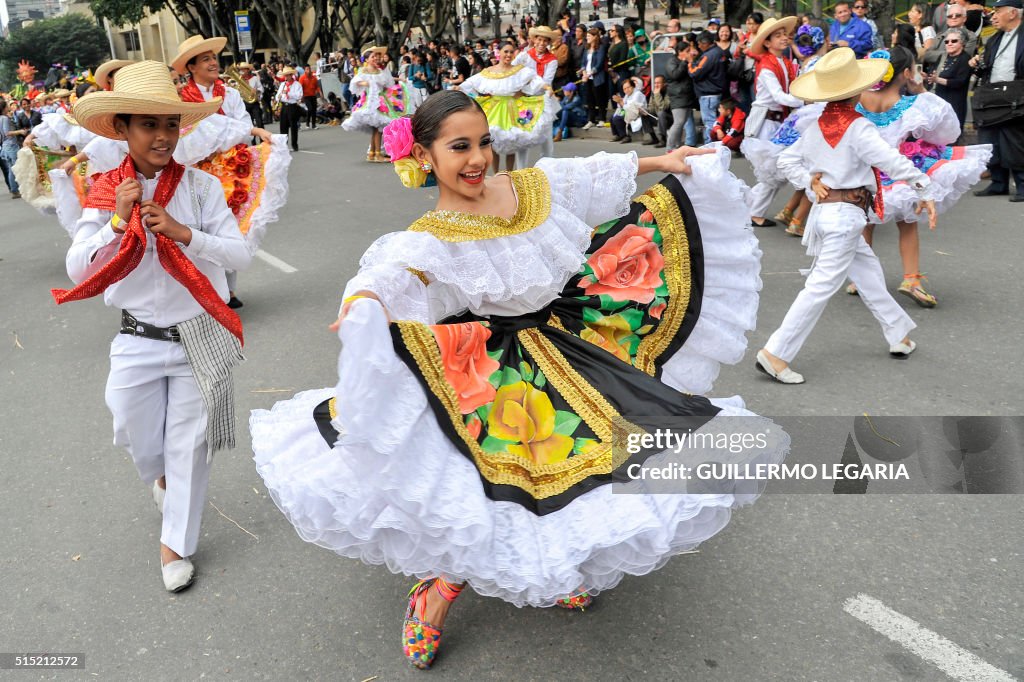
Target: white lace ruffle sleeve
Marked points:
58	131
930	119
215	133
596	188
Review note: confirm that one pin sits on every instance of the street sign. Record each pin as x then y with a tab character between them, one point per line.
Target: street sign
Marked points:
244	31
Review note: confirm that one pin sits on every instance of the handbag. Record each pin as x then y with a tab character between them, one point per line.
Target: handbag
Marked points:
996	103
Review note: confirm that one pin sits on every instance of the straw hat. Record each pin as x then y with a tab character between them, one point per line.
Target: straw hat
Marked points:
767	29
61	93
367	49
140	88
837	76
107	69
287	71
545	32
193	47
244	65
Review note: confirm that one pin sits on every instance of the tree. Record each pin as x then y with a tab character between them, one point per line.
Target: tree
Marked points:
283	20
69	39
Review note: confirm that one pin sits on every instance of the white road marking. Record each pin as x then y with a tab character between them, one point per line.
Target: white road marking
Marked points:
303	151
956	662
275	261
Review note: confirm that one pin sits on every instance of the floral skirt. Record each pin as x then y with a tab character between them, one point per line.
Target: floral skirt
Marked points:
952	169
254	181
518	122
481	448
374	110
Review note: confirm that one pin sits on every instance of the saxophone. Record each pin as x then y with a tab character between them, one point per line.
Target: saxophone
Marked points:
235	80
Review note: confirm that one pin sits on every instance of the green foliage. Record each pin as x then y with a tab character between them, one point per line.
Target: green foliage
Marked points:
120	12
65	39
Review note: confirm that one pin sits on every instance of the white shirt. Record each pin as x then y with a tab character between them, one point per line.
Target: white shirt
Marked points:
149	292
526	60
290	93
233	106
256	84
1002	66
769	92
849	164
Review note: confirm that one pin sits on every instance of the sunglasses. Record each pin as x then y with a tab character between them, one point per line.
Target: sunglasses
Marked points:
860	6
952	42
955	16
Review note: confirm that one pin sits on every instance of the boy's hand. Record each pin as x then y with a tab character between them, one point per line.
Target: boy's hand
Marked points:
820	189
158	221
127	194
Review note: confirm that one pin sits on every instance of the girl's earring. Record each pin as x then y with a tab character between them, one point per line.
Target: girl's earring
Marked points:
426	167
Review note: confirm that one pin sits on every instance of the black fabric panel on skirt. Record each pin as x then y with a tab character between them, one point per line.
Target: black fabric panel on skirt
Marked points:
322	417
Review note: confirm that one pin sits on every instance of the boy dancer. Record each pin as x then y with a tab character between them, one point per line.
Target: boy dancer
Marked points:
839	158
156	238
539	58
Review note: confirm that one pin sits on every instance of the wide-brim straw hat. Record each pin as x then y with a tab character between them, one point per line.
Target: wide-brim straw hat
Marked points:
767	29
545	32
244	65
195	46
287	71
367	49
837	76
105	70
140	88
61	93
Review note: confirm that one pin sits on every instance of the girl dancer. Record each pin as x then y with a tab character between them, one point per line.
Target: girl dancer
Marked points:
924	127
518	104
380	100
468	442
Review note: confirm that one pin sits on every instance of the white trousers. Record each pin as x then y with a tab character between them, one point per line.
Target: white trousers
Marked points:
547	148
844	253
160	417
763	193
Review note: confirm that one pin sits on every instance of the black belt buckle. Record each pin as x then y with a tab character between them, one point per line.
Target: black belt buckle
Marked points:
132	327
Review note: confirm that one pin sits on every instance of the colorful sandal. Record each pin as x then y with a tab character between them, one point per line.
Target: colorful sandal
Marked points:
784	216
795	229
421	640
911	287
576	602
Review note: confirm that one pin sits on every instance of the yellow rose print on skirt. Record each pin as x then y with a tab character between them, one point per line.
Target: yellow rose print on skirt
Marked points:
525	416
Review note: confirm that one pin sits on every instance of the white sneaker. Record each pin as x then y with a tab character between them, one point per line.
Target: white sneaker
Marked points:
902	350
786	376
588	126
158	496
178	575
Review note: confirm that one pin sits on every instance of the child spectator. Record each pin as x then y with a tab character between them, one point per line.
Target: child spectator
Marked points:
728	128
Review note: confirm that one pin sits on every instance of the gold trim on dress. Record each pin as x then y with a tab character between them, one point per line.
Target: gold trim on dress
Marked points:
332	407
675	247
493	73
539	480
534	205
420	275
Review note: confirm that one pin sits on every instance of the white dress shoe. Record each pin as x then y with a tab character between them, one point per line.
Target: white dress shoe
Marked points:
178	575
902	350
786	376
158	496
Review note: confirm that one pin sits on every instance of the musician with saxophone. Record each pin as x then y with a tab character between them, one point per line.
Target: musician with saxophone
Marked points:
251	88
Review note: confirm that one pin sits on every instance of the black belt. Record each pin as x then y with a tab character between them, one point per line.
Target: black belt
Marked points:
132	327
775	116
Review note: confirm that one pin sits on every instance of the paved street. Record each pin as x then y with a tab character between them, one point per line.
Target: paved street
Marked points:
79	562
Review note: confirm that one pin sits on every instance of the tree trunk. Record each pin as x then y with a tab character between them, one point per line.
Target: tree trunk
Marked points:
737	11
641	9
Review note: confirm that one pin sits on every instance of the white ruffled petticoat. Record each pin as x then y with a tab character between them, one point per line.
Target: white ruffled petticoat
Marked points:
928	118
394	490
368	117
763	154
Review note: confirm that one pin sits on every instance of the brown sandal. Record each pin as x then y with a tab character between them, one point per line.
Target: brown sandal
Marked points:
911	287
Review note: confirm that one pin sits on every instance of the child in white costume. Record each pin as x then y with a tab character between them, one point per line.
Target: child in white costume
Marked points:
840	159
540	59
170	388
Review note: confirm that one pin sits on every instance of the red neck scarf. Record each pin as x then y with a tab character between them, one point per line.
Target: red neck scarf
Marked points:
133	246
192	93
541	61
834	121
768	61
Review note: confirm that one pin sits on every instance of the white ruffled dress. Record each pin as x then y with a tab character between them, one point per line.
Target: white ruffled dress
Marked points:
395	490
928	119
515	123
763	154
216	133
370	90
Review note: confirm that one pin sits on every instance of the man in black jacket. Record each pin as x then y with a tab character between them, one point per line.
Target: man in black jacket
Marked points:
1002	65
681	96
709	79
